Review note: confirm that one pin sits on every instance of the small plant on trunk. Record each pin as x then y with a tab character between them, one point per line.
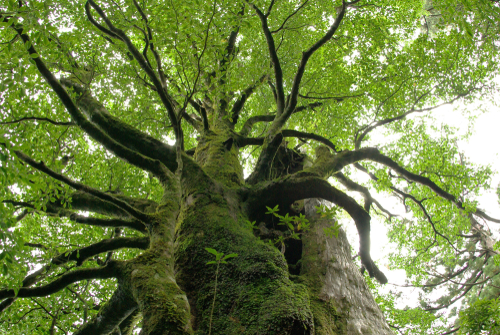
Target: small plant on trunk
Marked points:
220	258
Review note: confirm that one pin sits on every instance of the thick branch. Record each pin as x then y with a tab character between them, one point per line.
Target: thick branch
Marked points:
115	223
108	271
249	123
120	131
338	162
80	187
302	186
244	141
203	113
351	185
100	136
81	255
144	65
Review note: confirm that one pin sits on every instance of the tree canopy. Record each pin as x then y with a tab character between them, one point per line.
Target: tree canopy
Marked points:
107	106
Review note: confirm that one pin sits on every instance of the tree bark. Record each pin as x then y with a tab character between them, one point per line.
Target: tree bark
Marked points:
341	300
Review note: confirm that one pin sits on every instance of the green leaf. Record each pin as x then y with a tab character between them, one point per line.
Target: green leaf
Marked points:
230	256
212	251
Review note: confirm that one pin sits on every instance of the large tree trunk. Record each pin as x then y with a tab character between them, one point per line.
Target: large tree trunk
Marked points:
341	300
255	293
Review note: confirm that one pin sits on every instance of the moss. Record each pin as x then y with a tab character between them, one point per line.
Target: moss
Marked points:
254	292
163	304
219	158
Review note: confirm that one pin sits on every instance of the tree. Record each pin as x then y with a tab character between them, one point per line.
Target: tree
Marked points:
127	127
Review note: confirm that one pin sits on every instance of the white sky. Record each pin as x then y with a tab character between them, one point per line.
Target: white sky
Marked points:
482	148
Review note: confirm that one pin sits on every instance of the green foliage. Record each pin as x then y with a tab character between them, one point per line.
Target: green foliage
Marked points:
482	317
387	59
332	215
294	224
407	320
220	258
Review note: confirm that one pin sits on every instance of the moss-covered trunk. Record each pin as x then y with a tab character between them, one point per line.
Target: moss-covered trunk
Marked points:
181	288
253	293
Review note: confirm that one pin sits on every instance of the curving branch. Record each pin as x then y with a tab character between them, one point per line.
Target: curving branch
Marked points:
251	121
338	162
420	204
81	187
288	17
303	185
369	200
149	42
377	124
238	105
114	223
81	255
144	65
244	141
292	101
105	272
44	119
99	135
278	72
27	282
466	288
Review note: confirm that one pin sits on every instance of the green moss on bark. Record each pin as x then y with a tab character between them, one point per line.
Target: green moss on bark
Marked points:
218	157
254	292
